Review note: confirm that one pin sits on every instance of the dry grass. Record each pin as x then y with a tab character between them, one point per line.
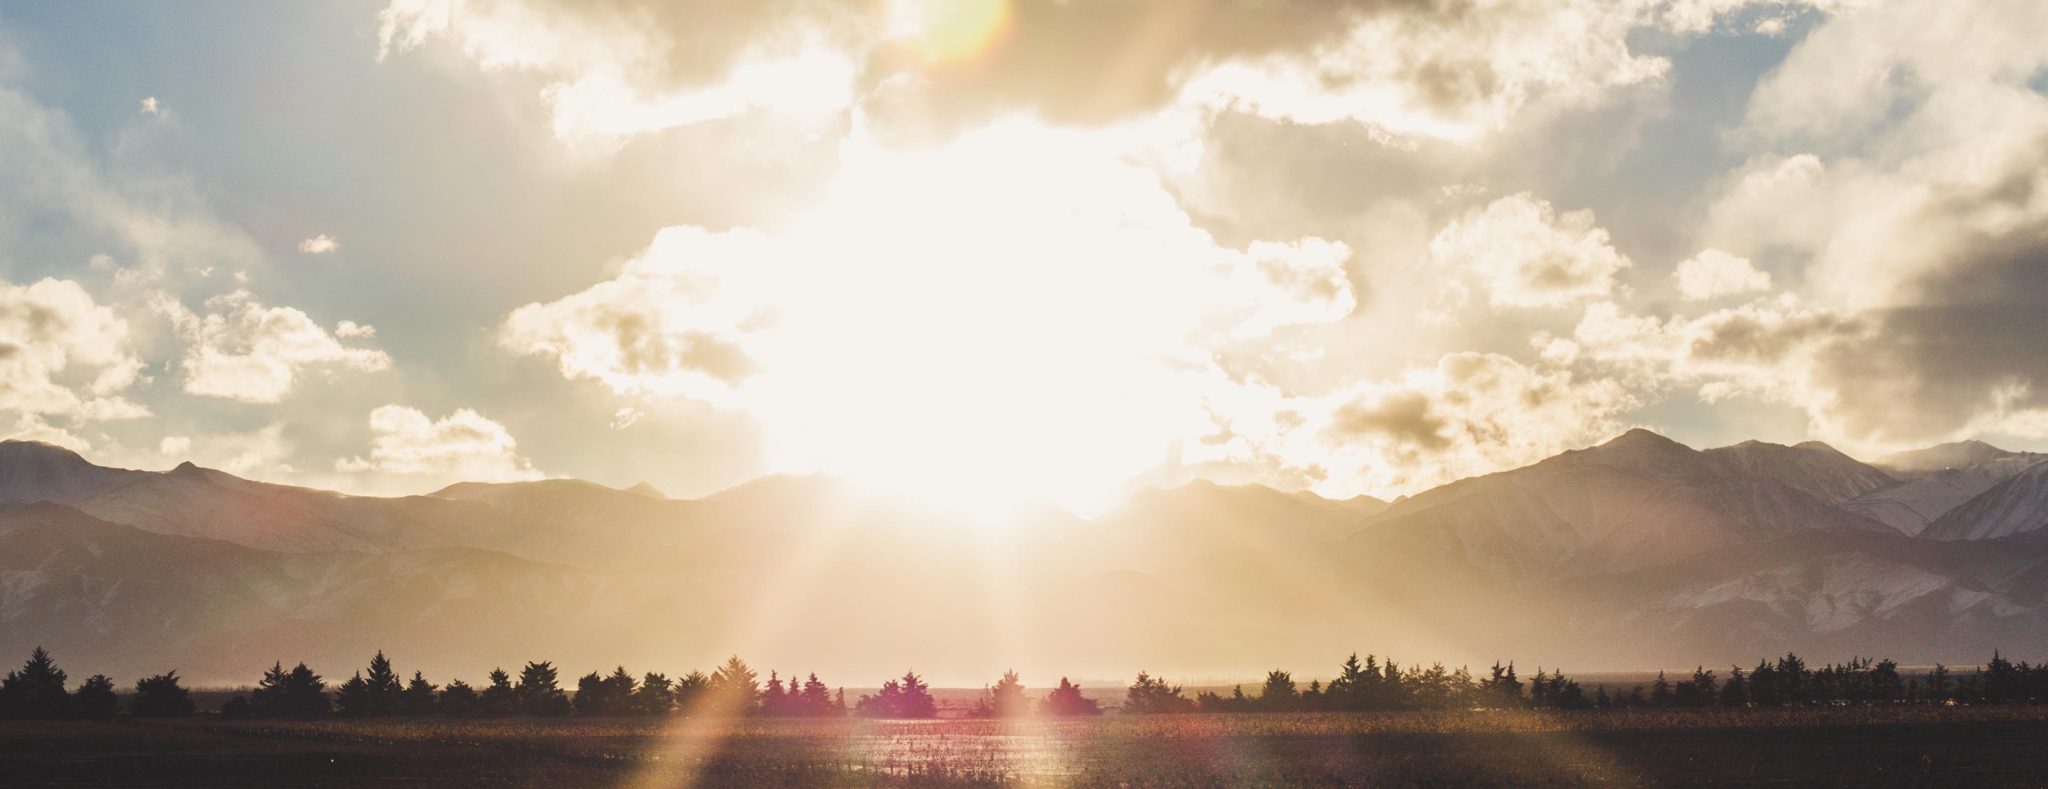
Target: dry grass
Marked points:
1839	746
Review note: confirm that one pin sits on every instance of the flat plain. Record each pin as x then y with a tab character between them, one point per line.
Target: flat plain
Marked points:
1890	746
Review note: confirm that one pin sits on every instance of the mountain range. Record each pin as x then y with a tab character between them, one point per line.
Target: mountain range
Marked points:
1639	552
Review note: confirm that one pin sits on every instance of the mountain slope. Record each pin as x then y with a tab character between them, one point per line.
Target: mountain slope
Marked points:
2016	506
1925	496
1813	468
1638	500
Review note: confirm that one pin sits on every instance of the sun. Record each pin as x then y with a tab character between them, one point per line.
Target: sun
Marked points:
947	30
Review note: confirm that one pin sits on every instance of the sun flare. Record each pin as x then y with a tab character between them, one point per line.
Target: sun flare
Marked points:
945	30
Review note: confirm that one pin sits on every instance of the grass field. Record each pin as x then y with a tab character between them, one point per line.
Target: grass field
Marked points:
1844	746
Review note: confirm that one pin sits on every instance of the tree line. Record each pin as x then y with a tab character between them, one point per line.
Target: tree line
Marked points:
38	690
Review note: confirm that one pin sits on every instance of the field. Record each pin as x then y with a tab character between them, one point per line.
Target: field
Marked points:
1842	746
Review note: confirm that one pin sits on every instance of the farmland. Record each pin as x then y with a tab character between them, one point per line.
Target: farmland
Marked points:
1898	745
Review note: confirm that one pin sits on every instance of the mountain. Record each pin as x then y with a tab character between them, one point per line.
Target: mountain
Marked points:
1813	468
2018	505
1620	555
1957	455
1925	495
1638	500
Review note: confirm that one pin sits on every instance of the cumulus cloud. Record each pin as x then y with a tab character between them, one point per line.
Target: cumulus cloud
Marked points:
1525	255
1713	273
243	350
1470	413
621	67
64	355
319	245
1909	176
150	106
463	446
1019	292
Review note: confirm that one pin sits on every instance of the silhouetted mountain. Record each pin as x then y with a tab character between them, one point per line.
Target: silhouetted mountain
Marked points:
1638	500
1813	468
1960	454
1607	557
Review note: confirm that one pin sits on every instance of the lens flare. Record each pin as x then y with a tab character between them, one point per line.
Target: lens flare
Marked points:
946	30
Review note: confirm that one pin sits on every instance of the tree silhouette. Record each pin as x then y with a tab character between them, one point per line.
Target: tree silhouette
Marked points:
656	695
95	700
1066	700
606	695
734	688
1278	694
906	697
1151	695
298	693
1735	692
35	691
418	697
539	692
160	697
498	698
458	700
689	691
1005	699
818	699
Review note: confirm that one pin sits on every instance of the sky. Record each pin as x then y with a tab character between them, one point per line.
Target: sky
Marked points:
1010	250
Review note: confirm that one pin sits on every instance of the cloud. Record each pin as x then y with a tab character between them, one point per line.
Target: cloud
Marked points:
242	350
1525	255
463	446
64	355
150	106
1713	273
619	67
1467	414
980	308
174	446
319	245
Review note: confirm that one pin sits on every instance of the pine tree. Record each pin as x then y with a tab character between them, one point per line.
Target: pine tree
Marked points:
498	698
458	700
734	688
95	700
539	692
383	687
1005	699
1660	691
1278	694
36	691
818	698
656	695
1736	692
418	697
160	697
1066	700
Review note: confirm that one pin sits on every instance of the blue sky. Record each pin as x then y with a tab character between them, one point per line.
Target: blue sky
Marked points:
967	246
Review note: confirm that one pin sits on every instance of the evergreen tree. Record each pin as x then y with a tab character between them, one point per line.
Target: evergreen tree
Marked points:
1066	700
1938	684
418	697
1347	690
297	693
818	699
1660	691
160	697
907	697
1764	690
539	692
498	698
1736	692
36	691
1151	695
1005	699
656	695
734	689
1278	694
773	700
353	698
458	700
384	686
95	700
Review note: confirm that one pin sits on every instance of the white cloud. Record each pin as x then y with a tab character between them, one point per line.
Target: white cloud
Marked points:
463	446
1713	273
972	311
174	446
62	354
150	106
353	330
242	350
1525	255
319	245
